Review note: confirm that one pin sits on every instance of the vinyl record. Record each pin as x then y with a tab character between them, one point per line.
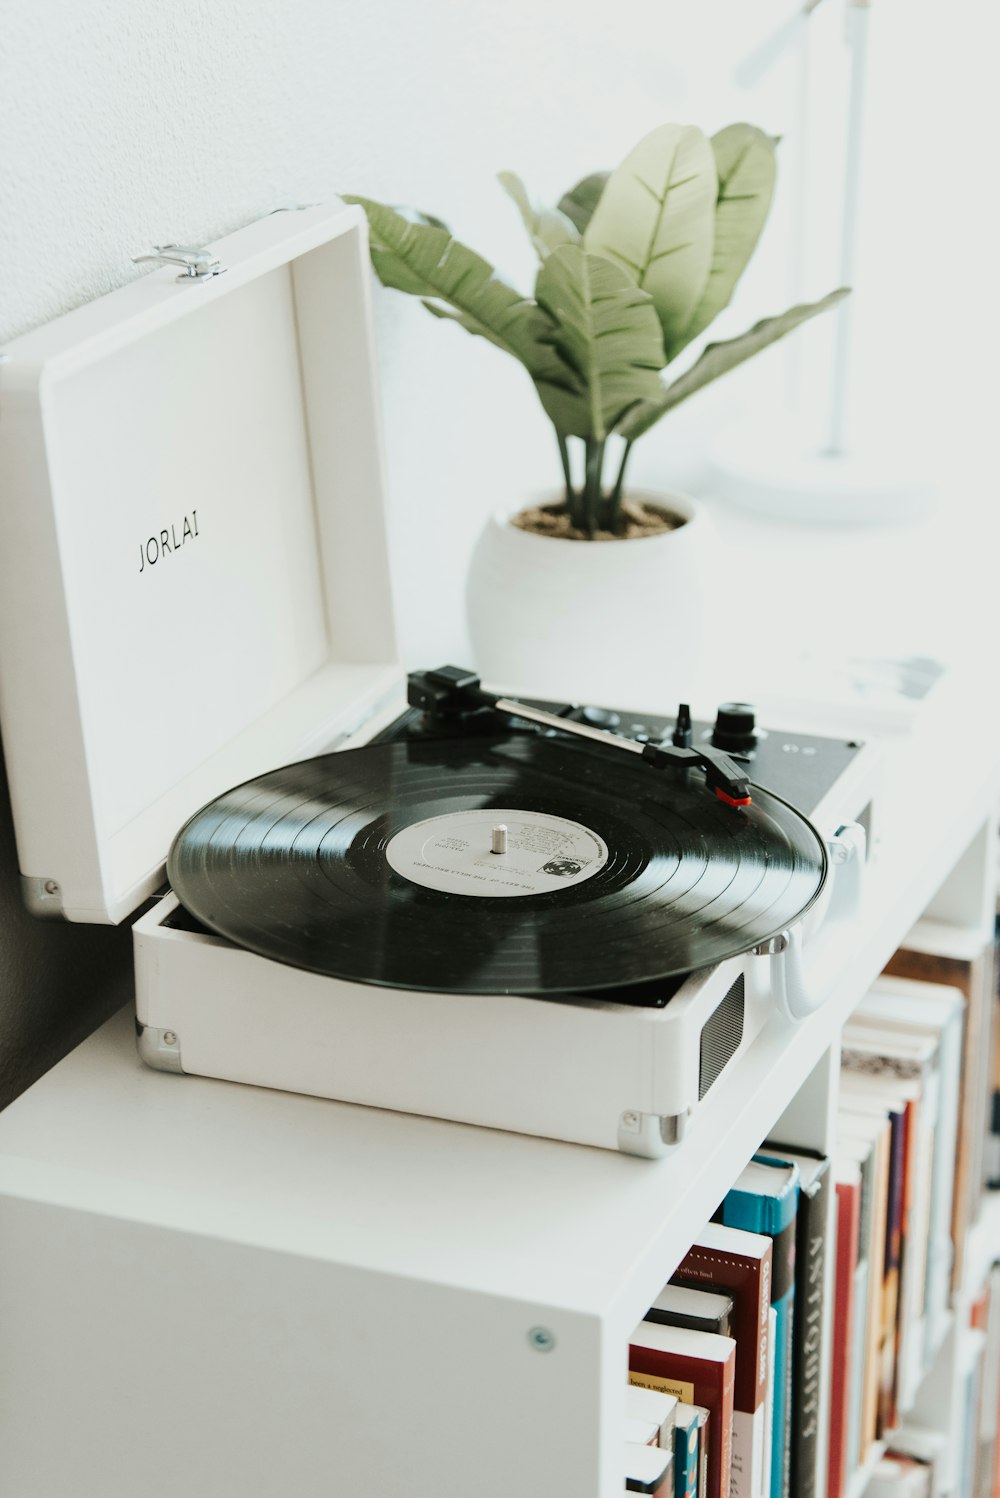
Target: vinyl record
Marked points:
376	865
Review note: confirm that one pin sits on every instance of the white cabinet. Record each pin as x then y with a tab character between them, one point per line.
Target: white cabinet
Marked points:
227	1292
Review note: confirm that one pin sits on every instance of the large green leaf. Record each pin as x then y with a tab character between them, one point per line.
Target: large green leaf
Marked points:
579	203
719	358
745	165
428	262
656	217
547	227
607	331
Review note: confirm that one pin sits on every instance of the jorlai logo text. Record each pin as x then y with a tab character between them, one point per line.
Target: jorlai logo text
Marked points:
167	542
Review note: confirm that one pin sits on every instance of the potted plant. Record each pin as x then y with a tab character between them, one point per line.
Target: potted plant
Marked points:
634	266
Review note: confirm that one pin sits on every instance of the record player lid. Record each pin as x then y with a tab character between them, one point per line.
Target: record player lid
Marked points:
193	575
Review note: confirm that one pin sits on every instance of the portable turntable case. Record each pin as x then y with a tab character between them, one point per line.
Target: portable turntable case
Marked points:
196	590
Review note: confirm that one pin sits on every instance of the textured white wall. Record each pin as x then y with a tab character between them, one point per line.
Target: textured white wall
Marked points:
125	124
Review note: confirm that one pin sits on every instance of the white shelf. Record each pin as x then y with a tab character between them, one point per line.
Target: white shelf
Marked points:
449	1241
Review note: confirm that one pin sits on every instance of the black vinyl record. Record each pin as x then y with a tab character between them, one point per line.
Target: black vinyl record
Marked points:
617	873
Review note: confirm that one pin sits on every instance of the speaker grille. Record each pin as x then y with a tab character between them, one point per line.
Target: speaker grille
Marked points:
721	1036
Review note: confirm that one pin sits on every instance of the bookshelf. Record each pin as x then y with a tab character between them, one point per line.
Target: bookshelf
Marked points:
224	1290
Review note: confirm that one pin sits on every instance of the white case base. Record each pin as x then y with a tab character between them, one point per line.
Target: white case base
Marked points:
507	1062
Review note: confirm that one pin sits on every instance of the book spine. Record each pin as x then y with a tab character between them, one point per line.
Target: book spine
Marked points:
856	1366
695	1382
888	1404
772	1339
808	1356
775	1216
876	1292
748	1281
848	1206
783	1300
686	1459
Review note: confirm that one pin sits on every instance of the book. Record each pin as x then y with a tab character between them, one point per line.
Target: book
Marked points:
686	1450
936	952
934	1009
702	1415
847	1184
764	1199
810	1359
740	1264
641	1432
986	1316
889	1056
699	1368
772	1339
700	1310
880	1104
867	1139
653	1405
649	1469
932	1448
899	1477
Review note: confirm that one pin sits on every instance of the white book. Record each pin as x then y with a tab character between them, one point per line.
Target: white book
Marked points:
652	1404
930	1447
649	1469
768	1406
899	1478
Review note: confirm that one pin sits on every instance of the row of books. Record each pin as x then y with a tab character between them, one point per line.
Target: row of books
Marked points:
962	1461
895	1174
722	1340
775	1396
937	953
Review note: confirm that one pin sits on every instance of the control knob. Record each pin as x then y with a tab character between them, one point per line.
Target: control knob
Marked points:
734	728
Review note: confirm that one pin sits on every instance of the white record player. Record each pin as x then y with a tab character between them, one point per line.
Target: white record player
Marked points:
195	591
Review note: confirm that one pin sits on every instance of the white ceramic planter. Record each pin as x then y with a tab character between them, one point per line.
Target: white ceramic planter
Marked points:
612	622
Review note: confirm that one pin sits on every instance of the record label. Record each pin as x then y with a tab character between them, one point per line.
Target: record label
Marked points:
453	853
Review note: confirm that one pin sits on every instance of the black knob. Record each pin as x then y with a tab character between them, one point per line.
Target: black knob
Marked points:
600	717
734	727
683	728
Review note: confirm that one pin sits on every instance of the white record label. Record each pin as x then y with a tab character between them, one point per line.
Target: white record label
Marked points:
454	853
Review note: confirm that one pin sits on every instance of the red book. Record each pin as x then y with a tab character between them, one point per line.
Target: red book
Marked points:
730	1259
848	1182
699	1368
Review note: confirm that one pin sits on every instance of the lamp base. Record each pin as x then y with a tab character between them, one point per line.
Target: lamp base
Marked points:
769	469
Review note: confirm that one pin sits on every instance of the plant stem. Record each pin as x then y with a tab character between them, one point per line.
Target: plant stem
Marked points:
592	484
567	475
615	499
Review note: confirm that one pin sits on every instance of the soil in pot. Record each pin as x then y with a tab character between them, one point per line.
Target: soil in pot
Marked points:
638	520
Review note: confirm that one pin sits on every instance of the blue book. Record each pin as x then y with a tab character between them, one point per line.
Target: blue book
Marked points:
685	1451
765	1199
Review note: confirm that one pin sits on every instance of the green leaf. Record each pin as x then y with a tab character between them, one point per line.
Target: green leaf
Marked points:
607	331
719	358
417	216
547	227
745	165
656	217
579	203
427	262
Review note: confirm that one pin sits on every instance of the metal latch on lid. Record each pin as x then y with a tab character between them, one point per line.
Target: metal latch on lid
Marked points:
196	264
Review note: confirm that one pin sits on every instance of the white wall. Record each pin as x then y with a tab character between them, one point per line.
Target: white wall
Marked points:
128	123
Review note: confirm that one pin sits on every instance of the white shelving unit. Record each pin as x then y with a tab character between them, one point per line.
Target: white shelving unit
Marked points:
220	1290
